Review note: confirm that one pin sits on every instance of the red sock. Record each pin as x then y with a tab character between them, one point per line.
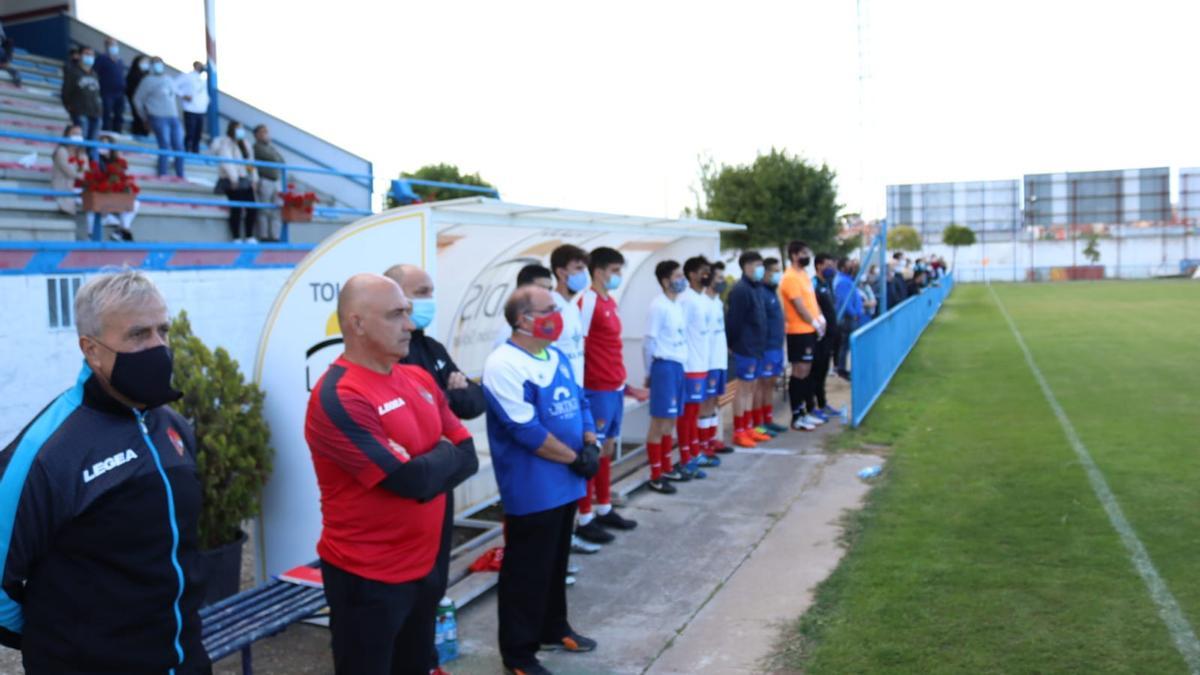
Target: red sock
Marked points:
769	414
585	502
654	450
683	431
756	416
603	482
739	424
668	463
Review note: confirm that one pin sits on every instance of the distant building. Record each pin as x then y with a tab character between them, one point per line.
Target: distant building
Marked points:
983	206
1099	198
1189	195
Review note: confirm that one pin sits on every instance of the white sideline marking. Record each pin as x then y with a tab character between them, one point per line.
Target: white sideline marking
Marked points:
764	451
1168	608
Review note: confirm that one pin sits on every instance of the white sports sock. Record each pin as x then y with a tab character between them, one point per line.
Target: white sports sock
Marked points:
585	518
603	509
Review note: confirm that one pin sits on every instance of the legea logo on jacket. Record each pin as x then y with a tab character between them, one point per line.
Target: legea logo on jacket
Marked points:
390	406
99	468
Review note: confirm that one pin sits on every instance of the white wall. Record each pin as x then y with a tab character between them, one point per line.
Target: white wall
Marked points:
226	307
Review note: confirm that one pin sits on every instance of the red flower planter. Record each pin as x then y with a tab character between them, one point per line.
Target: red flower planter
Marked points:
296	214
108	202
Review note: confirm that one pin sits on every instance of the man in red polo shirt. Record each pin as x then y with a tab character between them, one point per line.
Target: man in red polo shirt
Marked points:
386	449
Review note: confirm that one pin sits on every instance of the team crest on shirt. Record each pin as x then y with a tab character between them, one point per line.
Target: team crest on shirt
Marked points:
176	440
399	451
426	395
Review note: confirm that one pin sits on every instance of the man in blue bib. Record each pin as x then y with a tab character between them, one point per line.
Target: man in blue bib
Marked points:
543	444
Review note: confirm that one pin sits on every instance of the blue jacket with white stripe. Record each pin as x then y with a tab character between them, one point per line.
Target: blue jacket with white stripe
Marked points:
99	507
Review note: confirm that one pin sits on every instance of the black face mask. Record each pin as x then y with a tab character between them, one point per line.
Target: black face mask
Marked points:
145	377
720	286
804	262
705	280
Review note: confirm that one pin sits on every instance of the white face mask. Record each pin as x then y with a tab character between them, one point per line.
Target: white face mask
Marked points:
76	137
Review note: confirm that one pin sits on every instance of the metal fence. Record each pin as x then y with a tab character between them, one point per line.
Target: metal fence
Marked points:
878	348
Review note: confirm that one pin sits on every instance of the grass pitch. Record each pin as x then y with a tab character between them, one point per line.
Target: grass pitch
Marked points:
984	548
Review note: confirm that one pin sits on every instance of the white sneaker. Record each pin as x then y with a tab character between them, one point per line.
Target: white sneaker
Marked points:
251	240
570	580
580	546
238	240
800	425
814	420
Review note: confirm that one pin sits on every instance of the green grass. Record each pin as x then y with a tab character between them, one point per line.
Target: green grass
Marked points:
984	548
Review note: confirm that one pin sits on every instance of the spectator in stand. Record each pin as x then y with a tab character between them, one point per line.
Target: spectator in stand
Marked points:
70	163
917	283
236	181
866	290
897	286
123	221
270	224
112	72
846	295
746	332
827	345
137	71
81	96
6	53
386	449
157	101
192	88
543	444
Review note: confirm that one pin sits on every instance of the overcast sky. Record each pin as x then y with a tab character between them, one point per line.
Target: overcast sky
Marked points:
609	106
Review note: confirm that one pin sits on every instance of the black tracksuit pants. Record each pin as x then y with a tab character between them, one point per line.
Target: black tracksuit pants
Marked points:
533	591
822	355
380	628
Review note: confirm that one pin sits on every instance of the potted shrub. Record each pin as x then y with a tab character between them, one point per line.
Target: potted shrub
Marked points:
108	190
233	454
297	206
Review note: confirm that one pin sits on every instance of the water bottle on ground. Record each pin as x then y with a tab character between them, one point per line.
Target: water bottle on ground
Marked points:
446	633
870	472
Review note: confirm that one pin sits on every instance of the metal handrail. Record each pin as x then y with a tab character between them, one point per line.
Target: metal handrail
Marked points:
207	159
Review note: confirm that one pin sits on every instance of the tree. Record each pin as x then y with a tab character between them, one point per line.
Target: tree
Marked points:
233	453
1092	252
443	173
779	197
956	235
903	238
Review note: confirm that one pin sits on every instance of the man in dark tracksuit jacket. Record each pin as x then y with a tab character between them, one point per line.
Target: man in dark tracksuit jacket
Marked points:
826	268
465	397
99	504
746	334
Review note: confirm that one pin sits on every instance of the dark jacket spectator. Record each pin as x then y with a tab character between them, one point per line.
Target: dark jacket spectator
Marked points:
746	319
81	92
432	357
112	70
138	70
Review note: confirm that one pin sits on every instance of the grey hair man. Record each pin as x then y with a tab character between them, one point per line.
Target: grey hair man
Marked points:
105	504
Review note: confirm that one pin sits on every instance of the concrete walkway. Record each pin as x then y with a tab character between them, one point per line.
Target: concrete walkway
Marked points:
710	576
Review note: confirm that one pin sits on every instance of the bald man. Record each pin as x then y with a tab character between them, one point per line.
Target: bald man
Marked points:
543	444
386	449
465	396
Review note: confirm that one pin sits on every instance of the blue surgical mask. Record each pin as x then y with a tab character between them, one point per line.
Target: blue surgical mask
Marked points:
158	68
679	285
239	133
143	66
614	282
578	281
758	273
113	51
720	286
423	311
828	273
87	60
776	278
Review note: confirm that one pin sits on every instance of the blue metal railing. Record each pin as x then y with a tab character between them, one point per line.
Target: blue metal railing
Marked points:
323	211
879	348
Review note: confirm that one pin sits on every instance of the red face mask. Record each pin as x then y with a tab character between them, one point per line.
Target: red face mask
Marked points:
548	327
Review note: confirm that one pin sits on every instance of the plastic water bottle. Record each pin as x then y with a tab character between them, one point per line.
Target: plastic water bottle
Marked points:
844	413
870	472
446	633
